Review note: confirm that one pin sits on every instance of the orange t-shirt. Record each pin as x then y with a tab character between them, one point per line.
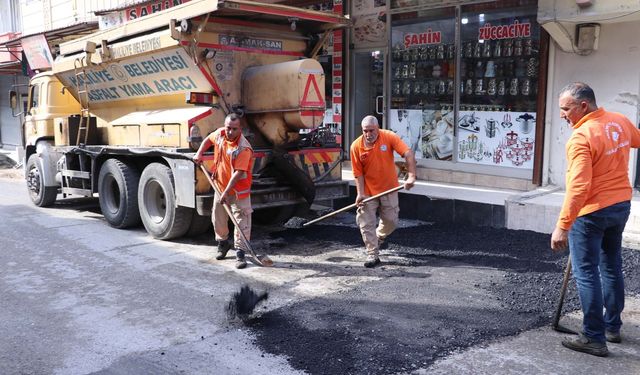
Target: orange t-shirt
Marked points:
230	157
598	163
376	164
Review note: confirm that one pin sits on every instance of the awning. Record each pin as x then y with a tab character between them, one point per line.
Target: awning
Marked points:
53	37
10	68
163	116
60	35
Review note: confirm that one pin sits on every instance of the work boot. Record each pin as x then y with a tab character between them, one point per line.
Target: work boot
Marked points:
613	337
223	248
382	243
585	345
240	260
372	261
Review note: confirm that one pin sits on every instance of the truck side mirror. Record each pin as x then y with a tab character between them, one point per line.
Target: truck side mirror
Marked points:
14	99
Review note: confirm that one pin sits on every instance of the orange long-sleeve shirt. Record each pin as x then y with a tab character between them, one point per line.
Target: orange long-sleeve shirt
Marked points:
598	163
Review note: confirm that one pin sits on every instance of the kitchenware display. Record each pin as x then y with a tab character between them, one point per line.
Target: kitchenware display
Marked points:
437	71
417	88
508	48
506	121
526	87
513	87
397	72
405	70
406	88
532	67
486	48
517	47
432	52
492	87
406	55
414	54
440	52
468	50
527	123
497	48
396	88
412	70
422	53
479	87
449	86
468	87
490	70
528	47
451	51
477	50
490	127
502	87
442	87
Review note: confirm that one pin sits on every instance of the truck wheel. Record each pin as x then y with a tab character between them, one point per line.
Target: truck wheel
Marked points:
157	201
199	225
118	193
41	196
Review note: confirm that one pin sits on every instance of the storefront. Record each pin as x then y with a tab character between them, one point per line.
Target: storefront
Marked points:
463	85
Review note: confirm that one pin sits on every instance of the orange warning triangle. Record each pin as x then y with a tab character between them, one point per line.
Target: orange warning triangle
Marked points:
306	102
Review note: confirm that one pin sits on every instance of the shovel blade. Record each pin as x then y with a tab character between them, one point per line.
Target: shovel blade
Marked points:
563	329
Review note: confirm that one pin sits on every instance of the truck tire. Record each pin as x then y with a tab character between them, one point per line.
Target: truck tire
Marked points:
157	201
41	195
199	225
118	193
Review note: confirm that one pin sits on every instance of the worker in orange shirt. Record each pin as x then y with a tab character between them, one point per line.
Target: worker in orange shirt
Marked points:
594	213
233	160
372	161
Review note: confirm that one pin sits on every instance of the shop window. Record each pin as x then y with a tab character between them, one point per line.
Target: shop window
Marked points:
484	112
498	86
422	82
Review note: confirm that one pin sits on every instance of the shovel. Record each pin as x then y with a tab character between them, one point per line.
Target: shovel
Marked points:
556	317
343	209
260	260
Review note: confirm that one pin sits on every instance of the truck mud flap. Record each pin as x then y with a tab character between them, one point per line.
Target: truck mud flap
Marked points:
298	179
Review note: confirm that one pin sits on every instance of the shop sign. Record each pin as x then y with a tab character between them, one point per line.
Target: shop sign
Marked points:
151	7
428	37
252	43
37	51
514	30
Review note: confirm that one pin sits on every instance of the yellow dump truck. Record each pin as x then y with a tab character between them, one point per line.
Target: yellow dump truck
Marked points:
123	110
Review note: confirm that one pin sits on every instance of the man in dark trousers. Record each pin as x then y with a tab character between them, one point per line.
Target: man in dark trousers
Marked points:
594	213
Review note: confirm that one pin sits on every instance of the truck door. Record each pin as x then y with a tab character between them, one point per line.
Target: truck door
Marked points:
33	101
368	72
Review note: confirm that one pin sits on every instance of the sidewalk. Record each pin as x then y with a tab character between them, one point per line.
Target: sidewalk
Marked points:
540	352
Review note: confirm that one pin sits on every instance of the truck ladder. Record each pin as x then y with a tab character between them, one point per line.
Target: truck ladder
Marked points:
80	72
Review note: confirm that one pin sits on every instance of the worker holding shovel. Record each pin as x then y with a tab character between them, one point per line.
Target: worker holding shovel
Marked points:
594	213
231	172
375	173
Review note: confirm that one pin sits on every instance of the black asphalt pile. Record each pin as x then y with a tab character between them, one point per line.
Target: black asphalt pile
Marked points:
497	283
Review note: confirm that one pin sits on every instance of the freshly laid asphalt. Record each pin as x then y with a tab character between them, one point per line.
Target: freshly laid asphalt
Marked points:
446	300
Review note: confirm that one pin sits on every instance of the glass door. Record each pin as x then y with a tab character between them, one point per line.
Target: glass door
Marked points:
368	88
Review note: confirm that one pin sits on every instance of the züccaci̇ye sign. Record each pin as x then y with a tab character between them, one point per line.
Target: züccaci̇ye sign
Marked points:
514	30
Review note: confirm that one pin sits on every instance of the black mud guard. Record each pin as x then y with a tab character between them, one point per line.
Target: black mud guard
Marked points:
299	180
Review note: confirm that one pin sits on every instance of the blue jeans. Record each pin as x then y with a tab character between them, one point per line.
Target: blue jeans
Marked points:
595	241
